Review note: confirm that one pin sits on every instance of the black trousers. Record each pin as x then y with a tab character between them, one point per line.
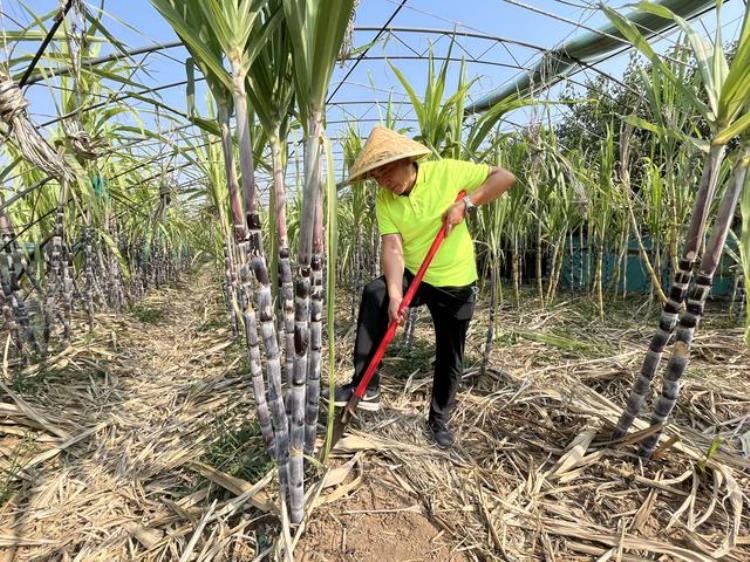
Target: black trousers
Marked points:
451	309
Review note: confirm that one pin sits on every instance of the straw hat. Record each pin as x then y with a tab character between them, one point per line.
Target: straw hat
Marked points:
383	147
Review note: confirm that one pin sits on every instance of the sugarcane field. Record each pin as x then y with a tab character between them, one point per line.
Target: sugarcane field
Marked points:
374	280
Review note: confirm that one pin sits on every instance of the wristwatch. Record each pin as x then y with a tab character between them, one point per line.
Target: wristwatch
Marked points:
469	206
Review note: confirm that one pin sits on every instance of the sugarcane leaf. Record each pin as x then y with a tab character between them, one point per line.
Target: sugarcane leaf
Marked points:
736	90
628	29
330	26
666	132
703	52
416	103
260	38
103	72
190	32
739	127
97	25
482	128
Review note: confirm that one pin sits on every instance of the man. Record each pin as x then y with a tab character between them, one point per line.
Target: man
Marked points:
413	202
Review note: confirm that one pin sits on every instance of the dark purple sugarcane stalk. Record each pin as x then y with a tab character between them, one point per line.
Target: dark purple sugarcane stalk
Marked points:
12	261
297	392
286	294
6	298
117	287
89	282
10	321
67	295
696	301
253	358
302	305
314	358
264	303
55	269
100	273
258	265
316	327
677	293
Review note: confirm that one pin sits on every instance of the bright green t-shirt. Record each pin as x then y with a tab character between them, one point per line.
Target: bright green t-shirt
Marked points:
417	217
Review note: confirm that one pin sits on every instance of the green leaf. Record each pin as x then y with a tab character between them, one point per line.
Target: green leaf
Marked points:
188	25
739	127
704	54
736	90
631	33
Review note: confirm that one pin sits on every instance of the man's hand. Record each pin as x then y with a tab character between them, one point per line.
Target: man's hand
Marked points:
453	216
393	313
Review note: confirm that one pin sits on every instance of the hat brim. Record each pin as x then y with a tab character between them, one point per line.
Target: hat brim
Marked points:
365	172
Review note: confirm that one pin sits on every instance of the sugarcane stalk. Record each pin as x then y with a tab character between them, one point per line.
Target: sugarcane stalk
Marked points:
55	274
696	301
316	323
7	298
297	393
314	358
302	306
626	254
490	336
284	262
10	322
264	302
516	270
67	296
252	247
14	261
552	283
89	277
582	267
117	287
598	275
737	307
357	262
411	321
235	203
677	293
254	361
264	298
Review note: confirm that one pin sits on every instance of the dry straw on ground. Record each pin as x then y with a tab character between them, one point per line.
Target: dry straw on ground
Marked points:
136	443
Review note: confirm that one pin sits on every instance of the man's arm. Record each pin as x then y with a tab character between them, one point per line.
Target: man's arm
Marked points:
393	266
498	182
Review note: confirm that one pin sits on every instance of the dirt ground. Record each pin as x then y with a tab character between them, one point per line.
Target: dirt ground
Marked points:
139	442
378	523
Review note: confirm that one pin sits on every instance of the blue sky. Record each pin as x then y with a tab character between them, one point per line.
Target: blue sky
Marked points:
136	23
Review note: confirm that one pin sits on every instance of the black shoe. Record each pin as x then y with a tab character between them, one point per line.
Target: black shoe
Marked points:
442	435
370	401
